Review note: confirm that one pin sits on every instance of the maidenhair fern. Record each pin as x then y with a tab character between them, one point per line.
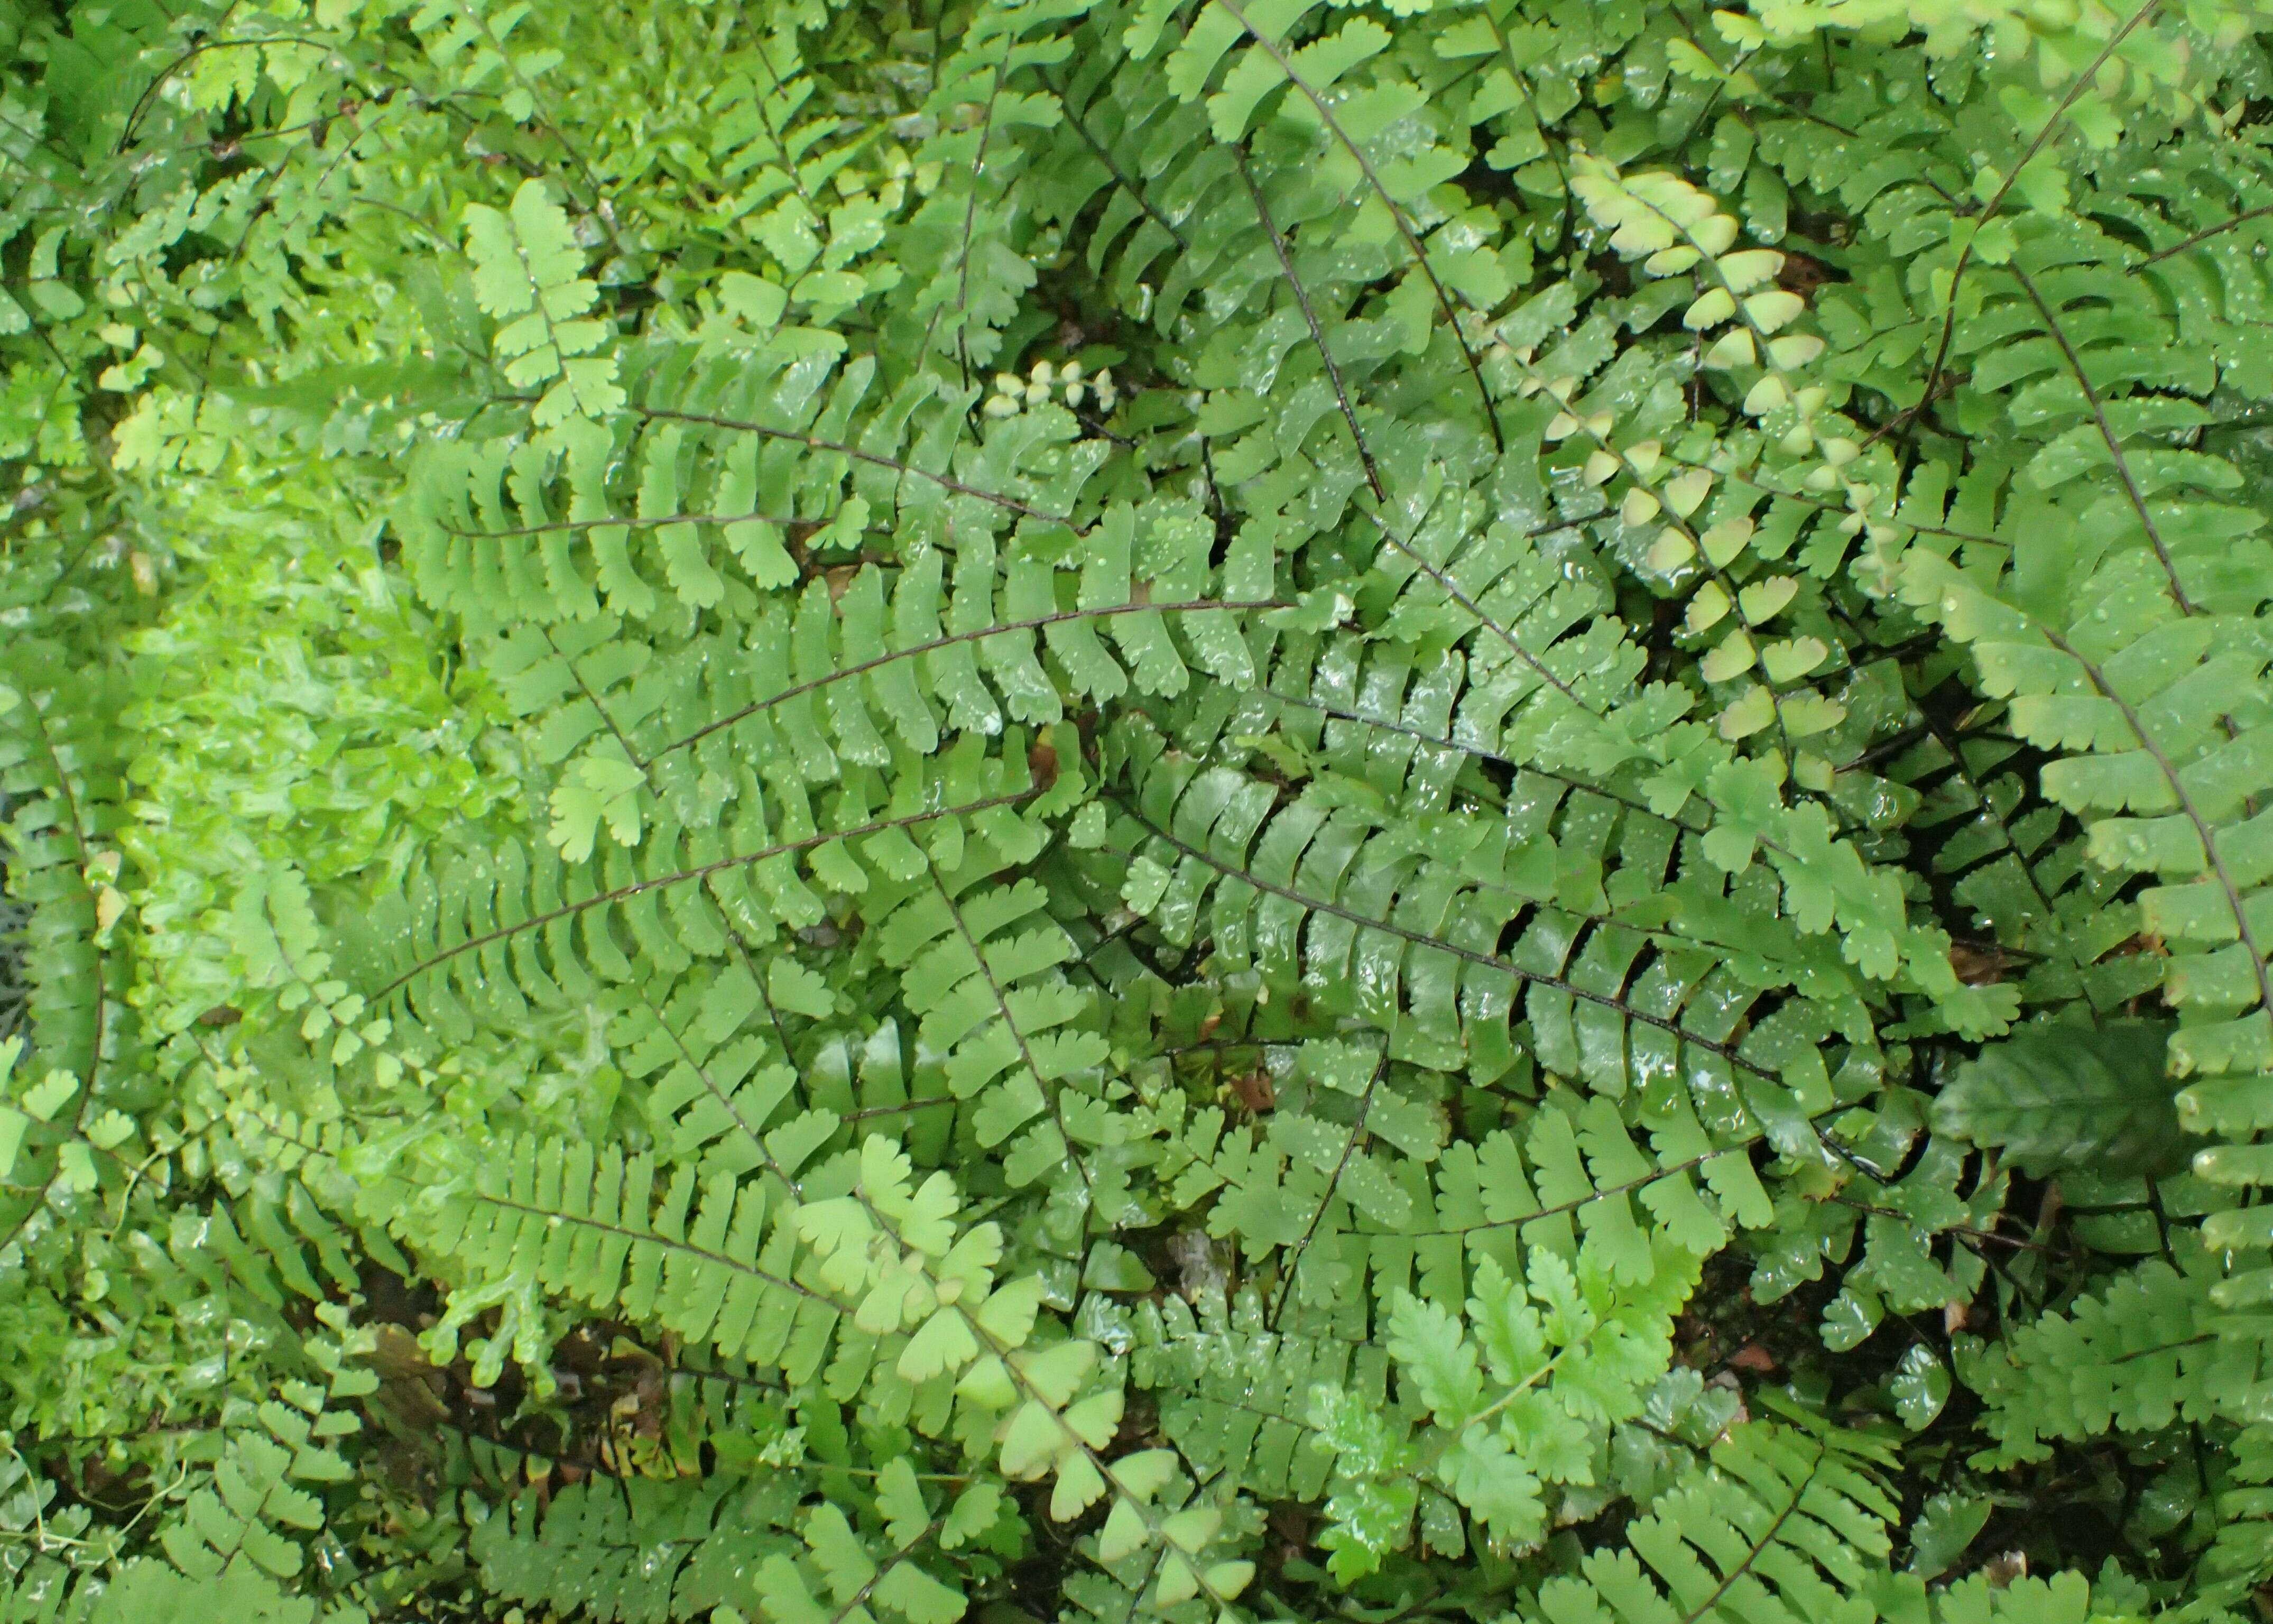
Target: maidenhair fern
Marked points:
850	813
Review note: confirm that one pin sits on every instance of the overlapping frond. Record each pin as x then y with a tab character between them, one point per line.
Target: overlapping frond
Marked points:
1195	810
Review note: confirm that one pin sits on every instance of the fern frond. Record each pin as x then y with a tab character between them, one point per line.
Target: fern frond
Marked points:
633	1553
1780	1525
980	966
61	784
2149	1349
1235	1395
1199	809
525	273
2154	704
1367	921
2022	867
1363	166
1562	1353
447	947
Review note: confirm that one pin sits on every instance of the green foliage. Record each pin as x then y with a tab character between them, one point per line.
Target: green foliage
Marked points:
2051	1098
869	812
637	1551
2133	1355
1558	1359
